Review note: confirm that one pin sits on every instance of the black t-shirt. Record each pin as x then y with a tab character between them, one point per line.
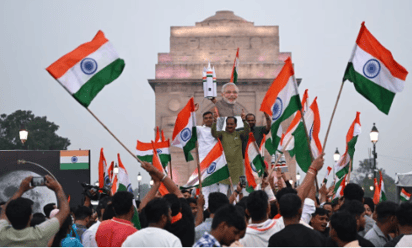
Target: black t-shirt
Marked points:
362	242
393	242
296	235
184	229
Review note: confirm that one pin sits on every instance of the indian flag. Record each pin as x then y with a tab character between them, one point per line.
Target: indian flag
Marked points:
184	134
377	193
294	124
339	188
281	100
74	160
374	72
144	151
104	179
234	76
158	165
213	169
405	196
299	148
86	70
342	166
123	184
254	165
262	146
382	195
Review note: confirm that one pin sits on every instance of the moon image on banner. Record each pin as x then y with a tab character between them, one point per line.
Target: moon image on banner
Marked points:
40	195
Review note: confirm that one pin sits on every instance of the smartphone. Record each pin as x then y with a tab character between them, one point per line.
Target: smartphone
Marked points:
242	180
38	181
284	168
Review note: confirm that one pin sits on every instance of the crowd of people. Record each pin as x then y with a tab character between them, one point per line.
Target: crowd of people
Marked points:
274	214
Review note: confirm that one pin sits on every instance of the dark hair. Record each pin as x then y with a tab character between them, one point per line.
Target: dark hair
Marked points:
257	204
18	211
216	201
108	212
155	209
353	207
122	202
368	201
231	215
185	191
82	212
289	205
285	191
404	214
48	208
174	203
207	113
250	114
320	212
273	210
327	203
102	204
384	210
231	117
353	191
191	200
62	233
344	224
37	218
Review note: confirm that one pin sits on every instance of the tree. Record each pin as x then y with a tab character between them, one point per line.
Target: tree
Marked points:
360	176
42	133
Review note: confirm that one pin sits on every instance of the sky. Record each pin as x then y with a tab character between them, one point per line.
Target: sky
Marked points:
319	34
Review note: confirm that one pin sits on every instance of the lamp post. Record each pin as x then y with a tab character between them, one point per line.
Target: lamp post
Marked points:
116	169
23	135
336	157
374	135
139	178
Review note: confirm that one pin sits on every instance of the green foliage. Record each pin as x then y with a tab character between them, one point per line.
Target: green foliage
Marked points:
360	176
42	133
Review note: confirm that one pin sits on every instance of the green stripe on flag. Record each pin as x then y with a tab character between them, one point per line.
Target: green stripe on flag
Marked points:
343	171
74	166
301	148
379	96
235	76
294	105
164	159
259	164
217	176
190	145
91	88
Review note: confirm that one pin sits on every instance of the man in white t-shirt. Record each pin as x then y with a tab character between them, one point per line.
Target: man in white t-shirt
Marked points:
159	217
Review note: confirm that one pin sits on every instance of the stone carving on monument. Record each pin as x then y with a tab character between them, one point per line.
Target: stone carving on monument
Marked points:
179	73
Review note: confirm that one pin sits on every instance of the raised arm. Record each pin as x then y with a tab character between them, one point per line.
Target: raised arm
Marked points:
151	194
169	184
62	202
215	133
24	186
309	179
268	122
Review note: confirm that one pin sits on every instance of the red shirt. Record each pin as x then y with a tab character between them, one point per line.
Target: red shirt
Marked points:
112	233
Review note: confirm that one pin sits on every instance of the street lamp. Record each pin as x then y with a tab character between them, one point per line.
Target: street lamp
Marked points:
371	188
116	169
151	183
374	135
23	135
336	155
139	178
298	177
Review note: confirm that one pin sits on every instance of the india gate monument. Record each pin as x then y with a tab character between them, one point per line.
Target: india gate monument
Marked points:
215	40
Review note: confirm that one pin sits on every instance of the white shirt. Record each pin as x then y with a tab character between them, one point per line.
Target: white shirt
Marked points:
206	140
258	235
89	236
152	237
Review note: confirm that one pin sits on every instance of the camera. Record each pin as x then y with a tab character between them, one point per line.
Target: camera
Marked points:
38	181
93	191
242	180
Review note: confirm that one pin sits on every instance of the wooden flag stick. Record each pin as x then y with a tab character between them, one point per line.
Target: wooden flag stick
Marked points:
134	156
331	118
350	168
171	172
197	156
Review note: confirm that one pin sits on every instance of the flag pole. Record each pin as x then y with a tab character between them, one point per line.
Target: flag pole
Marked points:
140	161
171	172
278	158
331	118
350	168
197	155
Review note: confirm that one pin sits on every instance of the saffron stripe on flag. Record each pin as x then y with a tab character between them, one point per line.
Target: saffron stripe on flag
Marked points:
61	66
74	153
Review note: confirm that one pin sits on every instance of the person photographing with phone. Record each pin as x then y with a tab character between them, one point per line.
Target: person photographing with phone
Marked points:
18	212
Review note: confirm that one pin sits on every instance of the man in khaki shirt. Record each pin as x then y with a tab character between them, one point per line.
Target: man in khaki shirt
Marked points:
15	218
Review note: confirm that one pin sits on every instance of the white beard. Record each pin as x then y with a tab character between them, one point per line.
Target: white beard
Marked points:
228	101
